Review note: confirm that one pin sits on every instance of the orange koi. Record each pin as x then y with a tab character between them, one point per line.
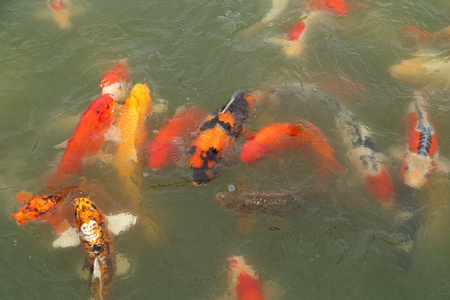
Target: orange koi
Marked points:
242	280
423	148
317	144
87	139
217	133
337	7
270	139
164	147
116	81
46	208
97	246
131	127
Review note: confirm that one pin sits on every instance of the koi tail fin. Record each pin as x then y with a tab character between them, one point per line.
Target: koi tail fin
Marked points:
326	169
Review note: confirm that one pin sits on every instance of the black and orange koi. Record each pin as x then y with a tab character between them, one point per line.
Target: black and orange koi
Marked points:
96	243
423	148
217	133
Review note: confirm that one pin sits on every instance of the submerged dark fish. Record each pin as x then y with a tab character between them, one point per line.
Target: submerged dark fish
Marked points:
260	202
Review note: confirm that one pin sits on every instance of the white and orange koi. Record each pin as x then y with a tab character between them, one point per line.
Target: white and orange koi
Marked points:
116	81
365	159
243	283
419	161
97	246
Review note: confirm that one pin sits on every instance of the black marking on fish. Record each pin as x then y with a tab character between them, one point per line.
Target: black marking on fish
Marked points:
426	132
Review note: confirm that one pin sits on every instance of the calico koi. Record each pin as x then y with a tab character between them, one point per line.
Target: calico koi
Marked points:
423	148
219	132
97	246
366	160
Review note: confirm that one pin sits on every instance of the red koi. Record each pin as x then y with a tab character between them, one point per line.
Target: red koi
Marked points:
97	246
87	139
116	81
164	147
337	7
422	150
272	138
243	283
218	133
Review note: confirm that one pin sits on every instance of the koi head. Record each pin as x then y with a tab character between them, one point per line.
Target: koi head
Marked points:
37	209
242	280
57	5
381	186
231	200
102	108
337	7
116	81
417	169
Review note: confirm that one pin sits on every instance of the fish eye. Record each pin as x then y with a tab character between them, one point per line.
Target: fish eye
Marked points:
426	174
406	168
97	111
107	106
229	206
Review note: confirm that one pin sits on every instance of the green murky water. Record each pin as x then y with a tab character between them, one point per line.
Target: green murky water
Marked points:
190	53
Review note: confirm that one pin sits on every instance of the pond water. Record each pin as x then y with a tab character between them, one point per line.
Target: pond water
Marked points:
340	246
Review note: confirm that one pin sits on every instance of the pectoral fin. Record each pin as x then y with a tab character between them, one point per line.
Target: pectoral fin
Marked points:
120	222
62	145
245	223
68	238
23	197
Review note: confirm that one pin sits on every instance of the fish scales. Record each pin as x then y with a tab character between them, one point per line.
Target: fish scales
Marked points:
265	202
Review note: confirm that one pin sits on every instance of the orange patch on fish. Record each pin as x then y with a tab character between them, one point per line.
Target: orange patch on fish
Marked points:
243	283
87	139
337	7
272	138
116	81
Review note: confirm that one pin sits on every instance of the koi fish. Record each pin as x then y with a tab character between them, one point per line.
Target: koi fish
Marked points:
164	147
419	161
442	35
424	70
60	10
272	138
217	133
260	202
294	41
317	145
251	204
243	283
87	139
97	246
131	127
366	160
337	7
116	81
45	208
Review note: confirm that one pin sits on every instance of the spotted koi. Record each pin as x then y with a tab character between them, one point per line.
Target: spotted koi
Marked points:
97	245
217	133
